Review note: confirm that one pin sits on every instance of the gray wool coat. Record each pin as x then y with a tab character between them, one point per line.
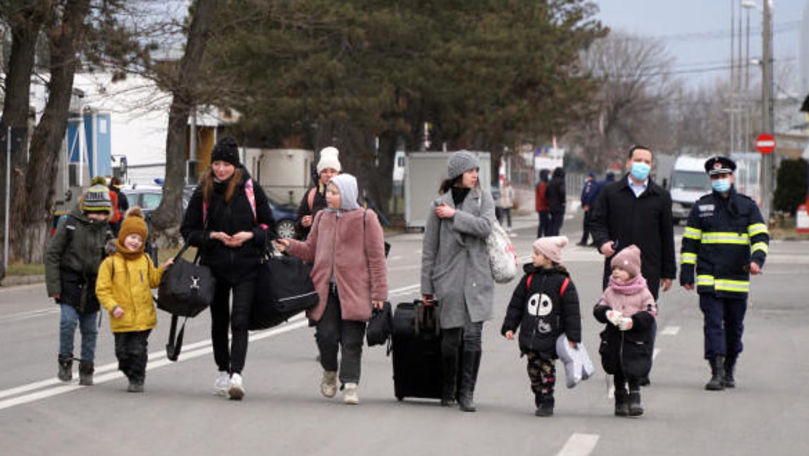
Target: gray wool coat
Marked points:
454	262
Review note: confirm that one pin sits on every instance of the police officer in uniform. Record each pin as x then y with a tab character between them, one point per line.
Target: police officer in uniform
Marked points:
725	240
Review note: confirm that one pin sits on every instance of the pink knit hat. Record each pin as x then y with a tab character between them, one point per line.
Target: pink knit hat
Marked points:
628	259
551	247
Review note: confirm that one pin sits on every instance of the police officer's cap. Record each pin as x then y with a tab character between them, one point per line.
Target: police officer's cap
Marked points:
719	165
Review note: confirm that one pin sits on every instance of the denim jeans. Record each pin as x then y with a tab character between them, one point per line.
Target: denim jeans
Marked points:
88	325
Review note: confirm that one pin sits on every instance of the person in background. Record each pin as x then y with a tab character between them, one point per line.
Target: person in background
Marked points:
507	201
120	204
557	200
71	267
725	240
588	193
541	204
315	198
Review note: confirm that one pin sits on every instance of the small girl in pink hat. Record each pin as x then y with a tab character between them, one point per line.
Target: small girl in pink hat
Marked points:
544	305
628	309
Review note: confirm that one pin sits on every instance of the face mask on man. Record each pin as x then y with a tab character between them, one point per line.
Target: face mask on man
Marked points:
721	185
640	171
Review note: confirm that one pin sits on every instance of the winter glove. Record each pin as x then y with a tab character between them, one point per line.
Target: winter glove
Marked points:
625	324
614	317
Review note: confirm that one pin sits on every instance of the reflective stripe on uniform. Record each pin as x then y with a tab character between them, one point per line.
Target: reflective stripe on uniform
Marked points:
688	258
741	286
692	233
760	246
725	238
757	228
705	280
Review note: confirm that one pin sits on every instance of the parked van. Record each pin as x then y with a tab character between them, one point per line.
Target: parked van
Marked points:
687	184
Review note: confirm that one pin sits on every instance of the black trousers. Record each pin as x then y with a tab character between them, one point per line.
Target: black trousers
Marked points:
585	236
557	218
333	334
131	349
544	224
723	324
236	319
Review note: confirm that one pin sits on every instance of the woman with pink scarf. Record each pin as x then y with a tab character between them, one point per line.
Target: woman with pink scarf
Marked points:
628	309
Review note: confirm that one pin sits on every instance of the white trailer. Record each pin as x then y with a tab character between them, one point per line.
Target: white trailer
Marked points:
424	172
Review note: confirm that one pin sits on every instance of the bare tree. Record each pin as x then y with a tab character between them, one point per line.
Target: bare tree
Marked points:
184	86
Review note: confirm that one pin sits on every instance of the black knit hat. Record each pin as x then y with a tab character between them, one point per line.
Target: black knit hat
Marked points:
226	150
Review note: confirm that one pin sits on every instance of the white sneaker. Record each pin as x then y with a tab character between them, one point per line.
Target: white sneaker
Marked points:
236	390
350	395
328	384
222	383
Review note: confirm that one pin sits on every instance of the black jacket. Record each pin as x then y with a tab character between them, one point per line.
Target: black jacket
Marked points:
555	193
629	352
541	313
233	264
318	203
644	221
721	238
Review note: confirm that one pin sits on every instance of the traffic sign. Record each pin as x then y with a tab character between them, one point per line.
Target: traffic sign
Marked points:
765	143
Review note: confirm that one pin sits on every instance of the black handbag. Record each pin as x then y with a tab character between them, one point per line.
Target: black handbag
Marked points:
185	290
283	289
380	326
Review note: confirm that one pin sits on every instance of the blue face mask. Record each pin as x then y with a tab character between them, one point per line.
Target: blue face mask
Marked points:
640	171
721	185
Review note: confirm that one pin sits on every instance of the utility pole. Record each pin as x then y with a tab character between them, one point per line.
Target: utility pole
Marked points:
768	119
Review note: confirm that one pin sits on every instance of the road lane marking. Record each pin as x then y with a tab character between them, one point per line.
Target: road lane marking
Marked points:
670	331
654	354
156	360
29	314
579	445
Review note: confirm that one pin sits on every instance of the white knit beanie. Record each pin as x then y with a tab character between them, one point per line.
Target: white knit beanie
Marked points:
328	159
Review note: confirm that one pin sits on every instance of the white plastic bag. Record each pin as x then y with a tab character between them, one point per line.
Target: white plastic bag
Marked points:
578	365
502	256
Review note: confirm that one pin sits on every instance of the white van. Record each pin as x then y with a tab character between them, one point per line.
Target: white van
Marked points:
687	184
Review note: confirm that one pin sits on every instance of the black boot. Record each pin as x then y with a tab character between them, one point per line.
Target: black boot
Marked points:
470	363
65	369
621	402
544	403
449	375
634	403
727	380
717	373
86	373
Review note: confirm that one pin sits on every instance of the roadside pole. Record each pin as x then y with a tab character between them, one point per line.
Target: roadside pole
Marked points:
8	198
768	121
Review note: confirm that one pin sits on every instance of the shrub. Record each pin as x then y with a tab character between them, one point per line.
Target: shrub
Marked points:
791	185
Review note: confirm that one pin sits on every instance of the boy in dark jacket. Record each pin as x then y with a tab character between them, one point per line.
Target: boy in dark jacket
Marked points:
71	267
628	308
544	305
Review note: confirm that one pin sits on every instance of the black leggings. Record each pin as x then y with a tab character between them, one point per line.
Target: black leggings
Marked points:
237	320
131	349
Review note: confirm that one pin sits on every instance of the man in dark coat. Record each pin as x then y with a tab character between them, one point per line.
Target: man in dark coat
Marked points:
556	201
635	210
588	193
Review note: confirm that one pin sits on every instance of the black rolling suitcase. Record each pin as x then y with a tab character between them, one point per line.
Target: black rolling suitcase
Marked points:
416	349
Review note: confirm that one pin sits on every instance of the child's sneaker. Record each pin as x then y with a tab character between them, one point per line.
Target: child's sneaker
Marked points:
545	407
222	383
236	390
328	384
350	395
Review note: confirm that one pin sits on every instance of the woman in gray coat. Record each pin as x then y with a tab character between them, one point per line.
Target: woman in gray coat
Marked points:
455	271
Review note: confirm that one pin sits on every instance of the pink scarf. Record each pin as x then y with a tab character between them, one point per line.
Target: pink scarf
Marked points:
629	297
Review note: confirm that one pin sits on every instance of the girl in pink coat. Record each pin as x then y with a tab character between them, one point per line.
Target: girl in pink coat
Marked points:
628	310
346	245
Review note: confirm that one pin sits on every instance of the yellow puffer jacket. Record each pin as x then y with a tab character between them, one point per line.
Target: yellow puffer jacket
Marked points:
127	284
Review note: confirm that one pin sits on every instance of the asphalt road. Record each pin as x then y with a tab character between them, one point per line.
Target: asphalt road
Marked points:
283	412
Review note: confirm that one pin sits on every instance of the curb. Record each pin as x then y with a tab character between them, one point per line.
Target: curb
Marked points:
10	281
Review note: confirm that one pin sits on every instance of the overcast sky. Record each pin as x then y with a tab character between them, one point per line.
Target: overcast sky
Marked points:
697	32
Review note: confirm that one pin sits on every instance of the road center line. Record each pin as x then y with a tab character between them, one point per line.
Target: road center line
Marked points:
579	445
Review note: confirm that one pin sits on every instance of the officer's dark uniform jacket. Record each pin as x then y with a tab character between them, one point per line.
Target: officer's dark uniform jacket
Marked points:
722	237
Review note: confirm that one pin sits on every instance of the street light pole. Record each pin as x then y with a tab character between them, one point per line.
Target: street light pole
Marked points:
768	120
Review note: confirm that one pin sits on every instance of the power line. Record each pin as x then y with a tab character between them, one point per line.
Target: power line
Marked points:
725	34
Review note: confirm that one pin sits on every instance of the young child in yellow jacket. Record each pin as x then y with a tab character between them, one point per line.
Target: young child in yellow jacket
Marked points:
123	287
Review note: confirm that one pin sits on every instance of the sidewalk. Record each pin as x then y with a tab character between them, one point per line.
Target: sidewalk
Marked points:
14	280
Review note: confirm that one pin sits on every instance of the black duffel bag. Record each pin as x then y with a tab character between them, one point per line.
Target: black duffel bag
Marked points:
186	289
283	289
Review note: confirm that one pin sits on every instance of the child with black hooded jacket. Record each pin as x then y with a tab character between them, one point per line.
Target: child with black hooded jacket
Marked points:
544	305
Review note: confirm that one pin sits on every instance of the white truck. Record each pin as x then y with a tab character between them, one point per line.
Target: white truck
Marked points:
687	184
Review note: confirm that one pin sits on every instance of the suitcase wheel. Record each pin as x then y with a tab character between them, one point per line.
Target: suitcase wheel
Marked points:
399	398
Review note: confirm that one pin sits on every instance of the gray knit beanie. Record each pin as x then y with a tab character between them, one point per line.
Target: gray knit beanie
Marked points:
461	162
